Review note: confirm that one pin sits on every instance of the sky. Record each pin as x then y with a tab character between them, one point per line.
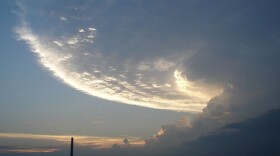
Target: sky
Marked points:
143	77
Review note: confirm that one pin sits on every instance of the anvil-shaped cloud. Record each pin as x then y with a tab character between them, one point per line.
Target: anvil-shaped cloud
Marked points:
104	62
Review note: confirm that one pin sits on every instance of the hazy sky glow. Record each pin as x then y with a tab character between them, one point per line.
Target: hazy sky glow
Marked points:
140	77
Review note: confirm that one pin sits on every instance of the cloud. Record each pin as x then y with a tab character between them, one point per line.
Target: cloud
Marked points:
234	105
76	57
88	141
28	150
257	136
58	43
91	29
81	30
234	58
220	59
63	18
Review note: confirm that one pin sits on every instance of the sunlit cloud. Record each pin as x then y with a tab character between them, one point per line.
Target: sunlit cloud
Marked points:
81	30
63	18
89	141
155	82
58	43
29	150
163	56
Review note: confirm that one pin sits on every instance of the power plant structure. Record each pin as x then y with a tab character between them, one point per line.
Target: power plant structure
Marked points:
72	146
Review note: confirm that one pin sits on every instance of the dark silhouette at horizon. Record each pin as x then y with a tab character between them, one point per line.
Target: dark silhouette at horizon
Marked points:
72	146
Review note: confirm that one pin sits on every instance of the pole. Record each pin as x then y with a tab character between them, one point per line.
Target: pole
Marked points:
72	145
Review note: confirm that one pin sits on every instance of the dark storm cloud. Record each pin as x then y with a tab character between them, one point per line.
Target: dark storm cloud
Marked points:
240	49
259	136
226	44
253	137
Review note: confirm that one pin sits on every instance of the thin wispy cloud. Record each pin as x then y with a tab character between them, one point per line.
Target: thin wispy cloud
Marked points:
89	141
63	18
29	150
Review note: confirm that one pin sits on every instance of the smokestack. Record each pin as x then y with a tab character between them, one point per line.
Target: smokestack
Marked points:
72	145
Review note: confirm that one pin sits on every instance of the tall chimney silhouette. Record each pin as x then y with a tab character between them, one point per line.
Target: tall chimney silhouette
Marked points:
72	145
